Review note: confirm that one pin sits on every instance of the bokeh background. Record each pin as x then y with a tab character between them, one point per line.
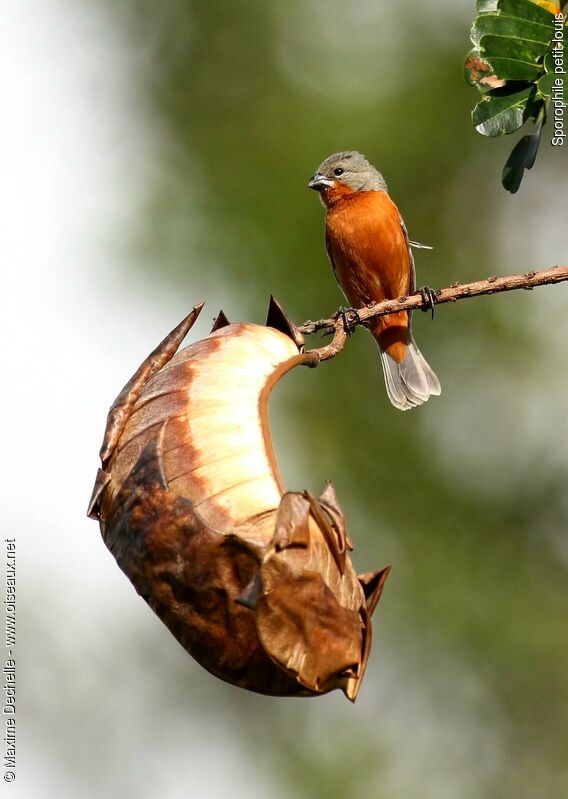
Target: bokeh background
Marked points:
157	154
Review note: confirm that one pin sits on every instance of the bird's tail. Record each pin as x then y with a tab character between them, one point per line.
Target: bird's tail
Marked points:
411	381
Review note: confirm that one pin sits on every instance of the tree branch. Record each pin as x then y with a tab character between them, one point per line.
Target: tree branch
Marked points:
492	285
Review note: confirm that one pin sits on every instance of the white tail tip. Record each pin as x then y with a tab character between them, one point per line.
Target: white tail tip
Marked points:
411	382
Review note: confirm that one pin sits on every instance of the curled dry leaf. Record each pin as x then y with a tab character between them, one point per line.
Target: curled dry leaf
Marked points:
255	582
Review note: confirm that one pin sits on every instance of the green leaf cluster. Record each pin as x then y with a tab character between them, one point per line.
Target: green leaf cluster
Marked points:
511	39
511	65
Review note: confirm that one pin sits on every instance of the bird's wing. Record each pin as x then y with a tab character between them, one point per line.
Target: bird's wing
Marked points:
410	255
330	256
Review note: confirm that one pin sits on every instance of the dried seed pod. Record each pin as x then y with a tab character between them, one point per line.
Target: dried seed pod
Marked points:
255	582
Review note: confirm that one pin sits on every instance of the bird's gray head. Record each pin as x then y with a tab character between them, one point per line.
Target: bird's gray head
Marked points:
349	168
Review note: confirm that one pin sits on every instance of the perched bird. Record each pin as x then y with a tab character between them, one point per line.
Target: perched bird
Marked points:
369	250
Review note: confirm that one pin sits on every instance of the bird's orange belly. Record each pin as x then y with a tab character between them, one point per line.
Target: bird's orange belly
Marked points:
372	262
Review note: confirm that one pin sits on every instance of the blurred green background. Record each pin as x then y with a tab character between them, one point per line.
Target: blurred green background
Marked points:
228	109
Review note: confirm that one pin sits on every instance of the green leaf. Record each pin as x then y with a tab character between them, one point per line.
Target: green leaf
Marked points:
511	69
511	28
518	49
536	108
524	9
498	114
548	62
486	6
522	157
547	81
477	71
545	85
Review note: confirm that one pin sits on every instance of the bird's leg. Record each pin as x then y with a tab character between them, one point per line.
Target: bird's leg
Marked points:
428	299
344	314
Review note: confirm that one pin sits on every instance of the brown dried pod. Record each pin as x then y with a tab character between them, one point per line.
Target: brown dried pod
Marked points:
255	582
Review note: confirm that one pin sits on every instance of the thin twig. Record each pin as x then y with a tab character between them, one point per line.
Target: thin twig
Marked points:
492	285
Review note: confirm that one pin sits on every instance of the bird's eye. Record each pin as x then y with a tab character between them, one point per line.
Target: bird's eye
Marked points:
338	171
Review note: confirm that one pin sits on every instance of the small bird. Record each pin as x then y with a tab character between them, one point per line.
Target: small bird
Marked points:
370	252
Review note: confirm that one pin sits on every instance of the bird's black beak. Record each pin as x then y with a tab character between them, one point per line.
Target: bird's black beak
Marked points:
319	182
